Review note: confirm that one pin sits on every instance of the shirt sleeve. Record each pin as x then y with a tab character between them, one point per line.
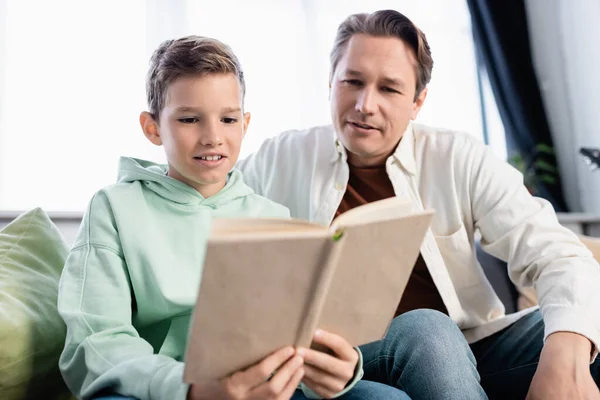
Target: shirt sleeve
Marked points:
524	231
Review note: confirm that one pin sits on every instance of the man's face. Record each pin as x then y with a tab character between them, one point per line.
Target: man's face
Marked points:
201	128
373	97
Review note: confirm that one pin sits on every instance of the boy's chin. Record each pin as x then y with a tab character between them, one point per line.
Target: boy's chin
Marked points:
210	180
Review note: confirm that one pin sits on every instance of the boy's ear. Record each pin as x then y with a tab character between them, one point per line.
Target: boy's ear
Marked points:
246	121
150	128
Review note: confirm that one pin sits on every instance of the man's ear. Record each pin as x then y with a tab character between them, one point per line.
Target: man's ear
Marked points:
418	104
150	128
247	116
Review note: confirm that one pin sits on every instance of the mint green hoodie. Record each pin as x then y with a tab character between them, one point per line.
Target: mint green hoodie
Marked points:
132	276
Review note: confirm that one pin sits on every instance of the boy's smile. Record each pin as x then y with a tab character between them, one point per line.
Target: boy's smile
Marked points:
210	160
201	128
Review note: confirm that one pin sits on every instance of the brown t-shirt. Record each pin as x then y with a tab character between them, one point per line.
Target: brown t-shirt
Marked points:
368	184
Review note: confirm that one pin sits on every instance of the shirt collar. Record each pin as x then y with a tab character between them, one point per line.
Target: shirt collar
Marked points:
404	153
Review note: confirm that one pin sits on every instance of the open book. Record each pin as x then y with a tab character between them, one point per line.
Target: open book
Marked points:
270	283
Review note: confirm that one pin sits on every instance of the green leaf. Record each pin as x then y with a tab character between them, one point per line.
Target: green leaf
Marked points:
548	179
545	166
544	148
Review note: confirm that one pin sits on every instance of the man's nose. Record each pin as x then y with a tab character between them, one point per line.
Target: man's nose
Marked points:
366	102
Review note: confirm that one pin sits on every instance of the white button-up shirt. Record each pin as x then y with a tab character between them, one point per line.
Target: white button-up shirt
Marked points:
470	189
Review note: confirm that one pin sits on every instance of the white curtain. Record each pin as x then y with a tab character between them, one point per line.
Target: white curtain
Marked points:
72	79
565	37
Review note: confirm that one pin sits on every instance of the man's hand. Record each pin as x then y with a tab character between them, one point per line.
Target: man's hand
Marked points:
327	374
564	370
254	383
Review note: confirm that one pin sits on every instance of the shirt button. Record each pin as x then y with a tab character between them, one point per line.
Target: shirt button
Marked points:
339	186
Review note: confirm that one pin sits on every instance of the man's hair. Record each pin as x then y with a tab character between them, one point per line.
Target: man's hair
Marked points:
188	56
386	23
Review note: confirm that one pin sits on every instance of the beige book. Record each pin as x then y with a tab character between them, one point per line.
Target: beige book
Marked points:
270	283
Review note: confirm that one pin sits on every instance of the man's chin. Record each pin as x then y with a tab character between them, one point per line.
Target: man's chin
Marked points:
361	157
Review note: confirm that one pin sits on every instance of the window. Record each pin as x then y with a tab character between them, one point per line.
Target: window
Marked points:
72	79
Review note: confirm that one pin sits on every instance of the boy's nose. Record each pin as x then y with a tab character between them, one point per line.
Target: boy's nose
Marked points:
211	137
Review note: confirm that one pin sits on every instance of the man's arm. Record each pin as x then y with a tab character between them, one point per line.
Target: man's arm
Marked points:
525	232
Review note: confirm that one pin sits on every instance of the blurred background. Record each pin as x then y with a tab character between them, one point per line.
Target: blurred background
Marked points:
521	76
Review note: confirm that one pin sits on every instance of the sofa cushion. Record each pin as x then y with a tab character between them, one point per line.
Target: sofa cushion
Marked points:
32	333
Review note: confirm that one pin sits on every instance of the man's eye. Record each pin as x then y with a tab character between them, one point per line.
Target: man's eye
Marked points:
353	82
390	90
190	120
229	120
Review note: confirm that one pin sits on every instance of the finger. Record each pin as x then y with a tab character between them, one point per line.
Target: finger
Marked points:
279	381
338	344
292	385
318	389
260	372
326	363
324	380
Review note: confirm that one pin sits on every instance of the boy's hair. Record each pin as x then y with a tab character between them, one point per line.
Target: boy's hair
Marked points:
386	23
188	56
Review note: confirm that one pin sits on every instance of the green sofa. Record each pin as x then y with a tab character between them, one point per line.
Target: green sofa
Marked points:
32	334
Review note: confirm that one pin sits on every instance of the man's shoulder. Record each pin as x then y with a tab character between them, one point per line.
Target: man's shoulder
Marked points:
309	137
288	155
422	131
434	138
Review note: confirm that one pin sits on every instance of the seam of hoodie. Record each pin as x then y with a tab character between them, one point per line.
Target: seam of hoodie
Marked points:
145	173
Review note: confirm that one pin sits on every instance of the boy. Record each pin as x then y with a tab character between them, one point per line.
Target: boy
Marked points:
131	279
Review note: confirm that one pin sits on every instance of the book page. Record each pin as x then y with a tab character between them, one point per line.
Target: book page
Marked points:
236	226
381	210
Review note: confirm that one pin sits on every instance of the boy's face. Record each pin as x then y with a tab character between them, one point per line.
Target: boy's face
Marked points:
201	128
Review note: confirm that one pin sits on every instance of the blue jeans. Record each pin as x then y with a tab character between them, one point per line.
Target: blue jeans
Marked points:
114	397
366	390
507	360
425	355
363	390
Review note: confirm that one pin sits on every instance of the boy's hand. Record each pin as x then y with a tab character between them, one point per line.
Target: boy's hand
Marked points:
254	383
327	374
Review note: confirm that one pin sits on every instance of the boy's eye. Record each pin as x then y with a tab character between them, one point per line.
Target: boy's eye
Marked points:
229	120
188	120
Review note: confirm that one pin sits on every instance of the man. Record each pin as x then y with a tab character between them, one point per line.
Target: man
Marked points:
380	67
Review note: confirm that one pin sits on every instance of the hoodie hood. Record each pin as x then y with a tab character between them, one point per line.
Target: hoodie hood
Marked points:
154	177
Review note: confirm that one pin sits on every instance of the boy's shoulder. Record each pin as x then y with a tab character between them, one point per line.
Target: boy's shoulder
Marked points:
102	201
119	189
